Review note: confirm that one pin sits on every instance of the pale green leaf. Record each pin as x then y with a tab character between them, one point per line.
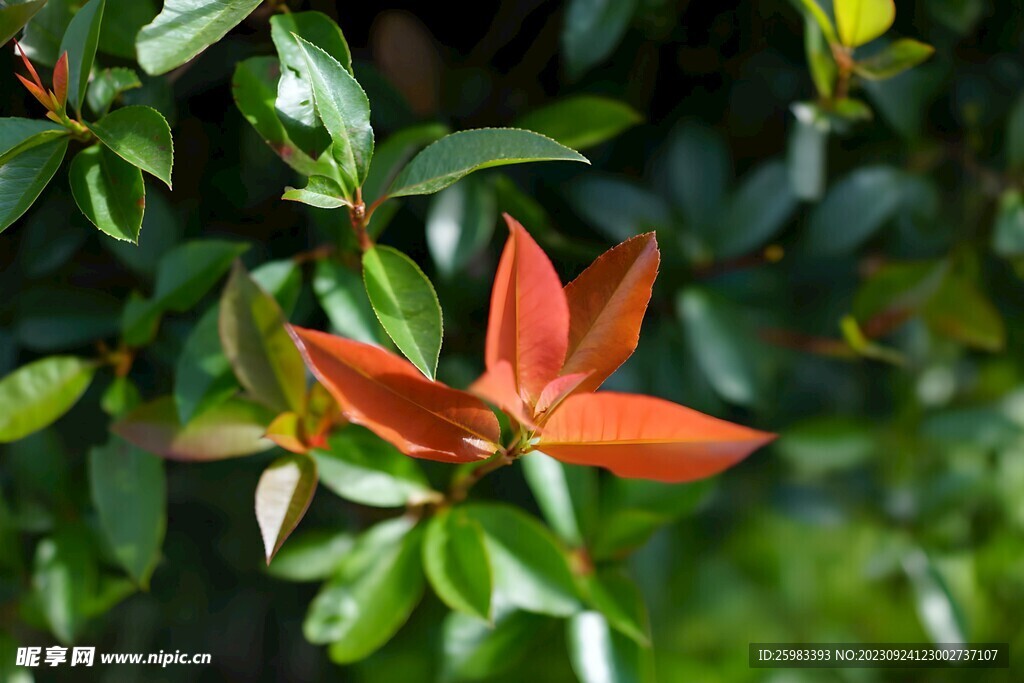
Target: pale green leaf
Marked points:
861	21
184	28
581	121
283	494
456	562
37	394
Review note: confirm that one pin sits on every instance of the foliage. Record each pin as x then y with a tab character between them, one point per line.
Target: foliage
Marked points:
543	509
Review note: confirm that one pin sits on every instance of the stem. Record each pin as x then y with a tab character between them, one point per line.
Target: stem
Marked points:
844	60
360	219
460	488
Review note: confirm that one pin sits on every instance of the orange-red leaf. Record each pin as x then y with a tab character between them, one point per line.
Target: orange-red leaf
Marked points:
60	79
389	396
529	319
41	95
645	438
498	386
558	390
607	303
286	432
28	65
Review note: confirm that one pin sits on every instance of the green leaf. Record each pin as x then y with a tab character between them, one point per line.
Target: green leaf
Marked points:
256	342
203	375
894	59
162	226
807	153
719	339
820	61
757	211
140	320
228	430
24	175
456	562
64	576
283	495
531	571
1008	234
320	191
139	135
312	555
581	121
120	397
295	103
51	317
14	14
394	153
601	655
960	311
361	467
122	20
406	305
1015	135
898	290
475	650
130	492
697	175
372	594
460	223
37	394
108	85
861	21
190	270
254	87
566	495
829	443
18	135
342	295
80	40
459	154
854	209
941	615
109	191
618	208
618	599
184	28
345	111
814	11
43	34
592	30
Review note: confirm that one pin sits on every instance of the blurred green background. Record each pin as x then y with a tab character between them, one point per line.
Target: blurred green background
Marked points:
891	509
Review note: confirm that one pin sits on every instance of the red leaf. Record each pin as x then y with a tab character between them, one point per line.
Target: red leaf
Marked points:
558	390
389	396
529	319
645	438
607	303
60	79
28	65
498	386
41	95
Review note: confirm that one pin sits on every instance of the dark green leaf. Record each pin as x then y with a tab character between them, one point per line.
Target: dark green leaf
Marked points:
371	595
43	34
593	28
895	58
54	318
854	209
190	270
342	295
161	230
813	10
1008	234
256	342
23	176
283	494
395	152
460	223
345	112
581	121
456	562
14	14
361	467
1015	135
566	494
618	208
696	178
406	305
37	394
122	20
129	492
230	429
459	154
184	28
80	40
203	375
898	290
140	320
618	599
959	310
107	86
254	87
531	571
819	58
756	212
109	191
320	191
477	651
139	135
294	102
312	555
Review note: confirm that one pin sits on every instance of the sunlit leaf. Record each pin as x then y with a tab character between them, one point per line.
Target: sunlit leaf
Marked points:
861	21
460	223
581	121
311	555
184	28
109	191
456	562
37	394
894	59
283	494
139	135
342	295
